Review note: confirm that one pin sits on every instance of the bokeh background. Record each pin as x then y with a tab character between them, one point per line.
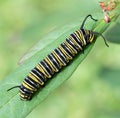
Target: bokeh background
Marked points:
94	89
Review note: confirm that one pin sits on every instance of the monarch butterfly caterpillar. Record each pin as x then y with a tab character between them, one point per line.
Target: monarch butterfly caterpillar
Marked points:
56	60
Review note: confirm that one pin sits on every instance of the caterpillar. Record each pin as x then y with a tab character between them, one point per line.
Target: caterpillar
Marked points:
56	60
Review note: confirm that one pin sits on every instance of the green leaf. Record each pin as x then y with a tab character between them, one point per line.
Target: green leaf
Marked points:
113	34
11	102
11	105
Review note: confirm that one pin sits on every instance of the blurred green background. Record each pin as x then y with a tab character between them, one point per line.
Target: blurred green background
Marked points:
94	89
